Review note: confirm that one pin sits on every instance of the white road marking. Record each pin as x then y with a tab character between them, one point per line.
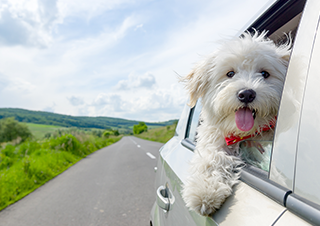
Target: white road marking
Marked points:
132	140
139	146
151	155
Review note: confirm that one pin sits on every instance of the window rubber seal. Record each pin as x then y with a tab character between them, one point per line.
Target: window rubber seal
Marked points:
304	208
259	180
188	144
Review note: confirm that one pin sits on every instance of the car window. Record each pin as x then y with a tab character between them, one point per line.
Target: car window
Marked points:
255	153
181	126
194	122
307	178
258	153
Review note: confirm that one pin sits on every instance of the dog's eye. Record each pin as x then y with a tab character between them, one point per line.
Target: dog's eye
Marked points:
265	74
230	74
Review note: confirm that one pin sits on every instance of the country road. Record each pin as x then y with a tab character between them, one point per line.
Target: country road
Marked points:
113	186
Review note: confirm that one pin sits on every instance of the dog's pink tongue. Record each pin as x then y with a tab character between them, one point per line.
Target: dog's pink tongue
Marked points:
244	119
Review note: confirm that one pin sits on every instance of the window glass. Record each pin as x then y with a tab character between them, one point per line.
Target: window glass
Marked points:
194	122
181	126
256	153
307	177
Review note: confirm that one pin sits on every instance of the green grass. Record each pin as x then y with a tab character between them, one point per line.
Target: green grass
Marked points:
161	134
31	172
39	130
25	167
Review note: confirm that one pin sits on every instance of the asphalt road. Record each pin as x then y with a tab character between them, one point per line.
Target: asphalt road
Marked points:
113	186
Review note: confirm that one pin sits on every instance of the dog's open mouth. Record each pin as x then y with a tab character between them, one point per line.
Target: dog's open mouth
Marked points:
245	118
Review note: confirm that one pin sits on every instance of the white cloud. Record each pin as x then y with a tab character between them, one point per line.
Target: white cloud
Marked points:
108	103
16	85
75	101
148	105
49	13
146	81
140	27
27	22
89	9
88	50
50	108
32	22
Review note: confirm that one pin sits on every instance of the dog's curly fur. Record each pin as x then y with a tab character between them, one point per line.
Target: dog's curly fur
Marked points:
215	166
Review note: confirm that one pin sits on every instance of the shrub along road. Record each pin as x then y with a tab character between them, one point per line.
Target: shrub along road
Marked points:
113	186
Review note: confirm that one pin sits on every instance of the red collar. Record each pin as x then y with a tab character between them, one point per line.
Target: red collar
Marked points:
231	139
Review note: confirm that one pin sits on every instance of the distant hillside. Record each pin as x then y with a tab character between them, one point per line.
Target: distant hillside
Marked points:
161	134
47	118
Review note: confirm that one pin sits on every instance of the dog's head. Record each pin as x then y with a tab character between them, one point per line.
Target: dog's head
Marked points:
241	83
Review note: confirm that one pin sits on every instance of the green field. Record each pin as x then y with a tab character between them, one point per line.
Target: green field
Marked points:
161	134
39	130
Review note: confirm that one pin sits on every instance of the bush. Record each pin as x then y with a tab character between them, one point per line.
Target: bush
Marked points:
140	128
26	148
107	134
97	133
66	143
10	129
116	132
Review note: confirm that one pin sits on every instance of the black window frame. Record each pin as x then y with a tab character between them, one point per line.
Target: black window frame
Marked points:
189	121
186	142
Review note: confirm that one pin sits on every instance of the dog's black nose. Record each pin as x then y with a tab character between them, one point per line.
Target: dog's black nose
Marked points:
246	95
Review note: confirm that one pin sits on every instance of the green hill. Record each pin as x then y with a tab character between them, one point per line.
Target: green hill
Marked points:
48	118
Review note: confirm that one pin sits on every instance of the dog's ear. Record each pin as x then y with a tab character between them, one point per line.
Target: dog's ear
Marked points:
286	56
286	47
196	83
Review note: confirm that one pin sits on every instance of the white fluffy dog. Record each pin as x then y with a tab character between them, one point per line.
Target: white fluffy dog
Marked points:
240	86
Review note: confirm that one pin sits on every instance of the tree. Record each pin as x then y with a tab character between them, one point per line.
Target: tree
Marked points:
107	133
116	132
140	128
10	129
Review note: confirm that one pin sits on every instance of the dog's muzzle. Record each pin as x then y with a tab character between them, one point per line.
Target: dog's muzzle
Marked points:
246	96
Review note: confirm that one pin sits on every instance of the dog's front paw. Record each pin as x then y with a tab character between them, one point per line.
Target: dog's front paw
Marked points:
203	196
205	203
206	207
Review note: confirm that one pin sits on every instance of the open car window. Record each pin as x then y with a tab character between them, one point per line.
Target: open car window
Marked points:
258	153
194	121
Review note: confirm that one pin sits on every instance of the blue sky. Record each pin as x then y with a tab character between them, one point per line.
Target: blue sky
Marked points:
116	58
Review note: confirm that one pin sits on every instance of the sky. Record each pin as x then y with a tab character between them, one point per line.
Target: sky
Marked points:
115	58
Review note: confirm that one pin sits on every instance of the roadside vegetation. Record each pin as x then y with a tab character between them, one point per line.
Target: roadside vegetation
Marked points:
161	134
28	161
140	128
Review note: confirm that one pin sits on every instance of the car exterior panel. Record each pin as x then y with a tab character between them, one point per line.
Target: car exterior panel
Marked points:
289	218
247	207
308	153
